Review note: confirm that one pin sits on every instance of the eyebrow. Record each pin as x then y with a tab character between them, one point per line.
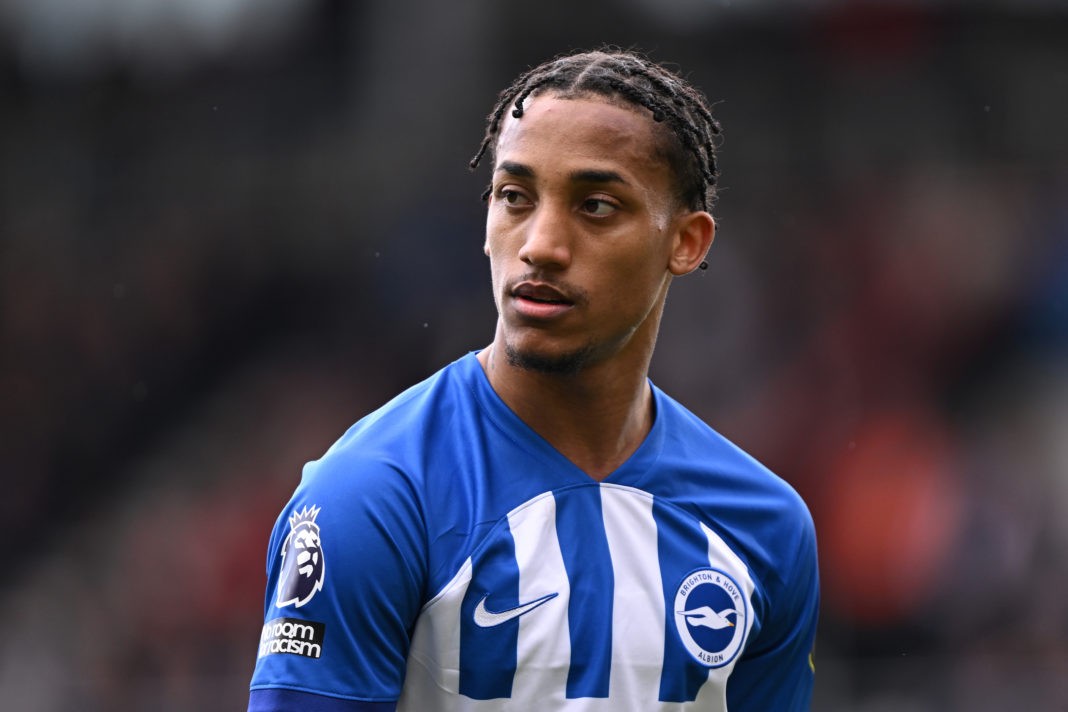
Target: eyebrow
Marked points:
516	169
586	175
597	176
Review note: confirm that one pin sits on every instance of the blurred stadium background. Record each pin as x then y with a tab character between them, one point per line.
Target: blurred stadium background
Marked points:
228	228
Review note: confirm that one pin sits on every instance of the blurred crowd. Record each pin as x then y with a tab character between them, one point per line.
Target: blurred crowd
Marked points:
209	270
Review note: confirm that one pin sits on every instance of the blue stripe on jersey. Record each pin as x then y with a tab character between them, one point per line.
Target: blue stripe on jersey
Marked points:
584	546
682	676
488	656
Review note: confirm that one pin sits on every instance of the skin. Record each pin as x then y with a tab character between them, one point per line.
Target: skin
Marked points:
584	237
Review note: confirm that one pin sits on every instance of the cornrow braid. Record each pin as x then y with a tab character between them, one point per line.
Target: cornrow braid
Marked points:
630	77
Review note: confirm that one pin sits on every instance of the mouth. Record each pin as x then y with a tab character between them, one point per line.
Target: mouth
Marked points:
540	301
541	293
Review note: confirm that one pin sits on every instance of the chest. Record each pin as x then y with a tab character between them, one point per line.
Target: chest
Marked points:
589	593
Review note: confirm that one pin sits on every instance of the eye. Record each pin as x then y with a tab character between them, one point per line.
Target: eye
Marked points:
598	207
512	197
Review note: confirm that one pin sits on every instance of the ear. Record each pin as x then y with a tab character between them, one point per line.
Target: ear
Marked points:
485	247
693	236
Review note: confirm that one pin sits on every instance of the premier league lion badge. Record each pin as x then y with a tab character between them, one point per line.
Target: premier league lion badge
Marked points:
302	560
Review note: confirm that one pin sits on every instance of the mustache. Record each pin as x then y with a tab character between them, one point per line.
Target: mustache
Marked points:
539	283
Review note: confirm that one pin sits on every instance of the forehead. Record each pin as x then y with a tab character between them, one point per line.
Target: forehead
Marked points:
589	132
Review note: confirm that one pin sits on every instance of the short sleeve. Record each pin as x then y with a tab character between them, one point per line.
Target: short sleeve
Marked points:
346	570
778	672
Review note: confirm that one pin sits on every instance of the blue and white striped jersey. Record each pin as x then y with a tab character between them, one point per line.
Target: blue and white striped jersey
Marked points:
442	556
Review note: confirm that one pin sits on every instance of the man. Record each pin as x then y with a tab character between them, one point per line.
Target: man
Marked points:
537	527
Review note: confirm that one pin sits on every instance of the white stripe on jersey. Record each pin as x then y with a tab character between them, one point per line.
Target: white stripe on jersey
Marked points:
638	600
544	650
434	655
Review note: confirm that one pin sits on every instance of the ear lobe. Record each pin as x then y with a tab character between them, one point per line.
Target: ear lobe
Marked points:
693	237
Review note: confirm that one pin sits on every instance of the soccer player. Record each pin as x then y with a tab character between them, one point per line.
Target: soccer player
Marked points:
538	527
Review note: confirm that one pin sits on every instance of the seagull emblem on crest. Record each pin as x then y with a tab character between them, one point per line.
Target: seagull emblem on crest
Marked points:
708	618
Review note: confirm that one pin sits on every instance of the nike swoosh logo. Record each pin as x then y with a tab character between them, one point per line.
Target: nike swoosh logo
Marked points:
488	619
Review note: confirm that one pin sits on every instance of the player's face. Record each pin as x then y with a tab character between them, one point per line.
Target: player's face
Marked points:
583	233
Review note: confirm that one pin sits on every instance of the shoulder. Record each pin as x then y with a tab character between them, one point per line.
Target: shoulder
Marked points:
394	437
397	462
750	504
688	438
420	406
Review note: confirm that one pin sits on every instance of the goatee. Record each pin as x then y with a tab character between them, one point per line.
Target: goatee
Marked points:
567	364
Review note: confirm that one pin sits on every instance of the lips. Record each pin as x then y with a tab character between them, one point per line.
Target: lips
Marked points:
543	293
539	301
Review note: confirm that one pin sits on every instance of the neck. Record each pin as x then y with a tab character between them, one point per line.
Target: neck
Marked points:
596	418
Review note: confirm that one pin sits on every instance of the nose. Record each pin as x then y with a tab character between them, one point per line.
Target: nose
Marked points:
547	238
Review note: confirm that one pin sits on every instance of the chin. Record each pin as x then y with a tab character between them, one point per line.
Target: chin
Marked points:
567	363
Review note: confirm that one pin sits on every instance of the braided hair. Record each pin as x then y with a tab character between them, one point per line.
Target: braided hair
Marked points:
630	77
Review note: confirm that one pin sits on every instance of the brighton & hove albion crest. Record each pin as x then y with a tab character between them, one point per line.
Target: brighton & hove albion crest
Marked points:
710	614
302	560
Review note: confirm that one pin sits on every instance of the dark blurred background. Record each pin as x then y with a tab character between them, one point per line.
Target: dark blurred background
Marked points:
229	228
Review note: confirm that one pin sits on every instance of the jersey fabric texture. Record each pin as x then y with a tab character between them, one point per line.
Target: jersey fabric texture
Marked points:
443	556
